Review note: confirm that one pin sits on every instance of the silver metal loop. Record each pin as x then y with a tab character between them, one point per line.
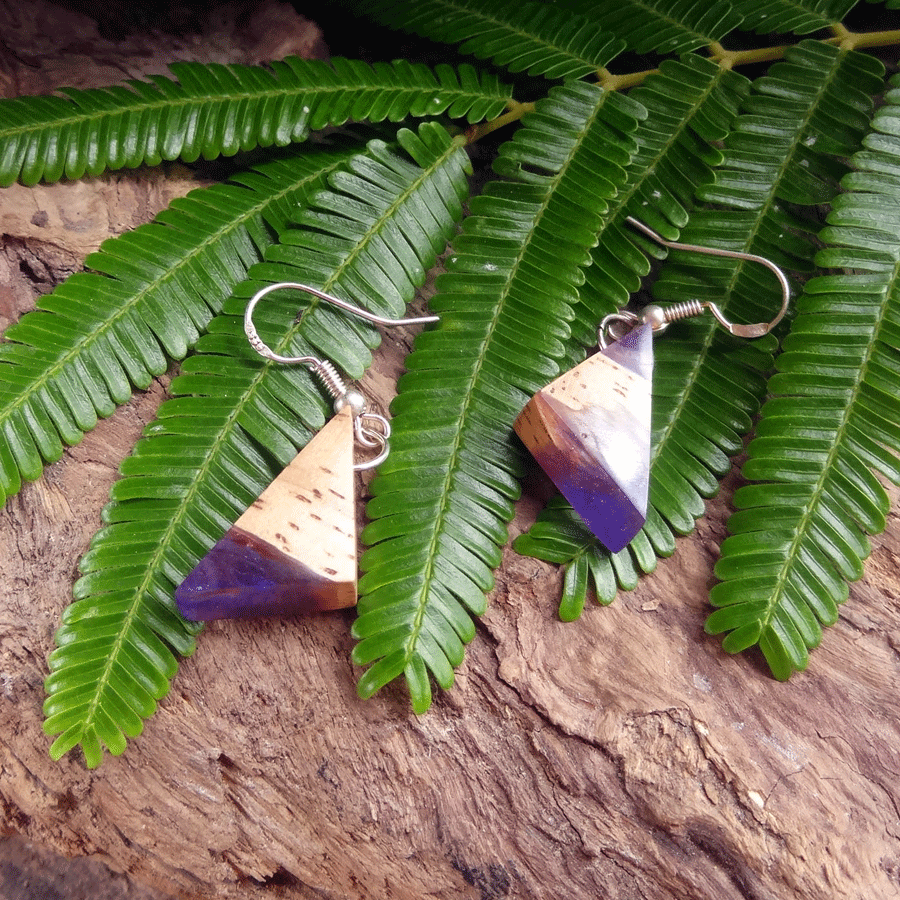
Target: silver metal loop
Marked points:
370	437
679	311
608	331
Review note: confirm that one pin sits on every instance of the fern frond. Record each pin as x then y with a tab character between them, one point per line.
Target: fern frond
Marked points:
560	536
443	498
663	26
705	391
216	110
152	291
807	113
521	35
691	103
796	16
233	419
800	536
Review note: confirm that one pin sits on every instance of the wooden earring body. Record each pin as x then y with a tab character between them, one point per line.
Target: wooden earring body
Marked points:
589	430
293	550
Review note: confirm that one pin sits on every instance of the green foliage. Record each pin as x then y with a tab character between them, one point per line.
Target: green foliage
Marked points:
231	424
503	303
668	26
542	253
690	104
217	110
707	387
831	425
151	292
555	42
559	536
766	16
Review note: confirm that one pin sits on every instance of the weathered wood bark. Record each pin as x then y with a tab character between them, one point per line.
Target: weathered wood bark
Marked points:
622	756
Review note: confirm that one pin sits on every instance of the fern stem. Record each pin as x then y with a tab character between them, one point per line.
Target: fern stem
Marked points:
728	59
731	58
840	31
516	111
852	40
842	37
610	82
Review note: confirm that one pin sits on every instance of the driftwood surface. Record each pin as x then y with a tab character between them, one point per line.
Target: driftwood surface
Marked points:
622	756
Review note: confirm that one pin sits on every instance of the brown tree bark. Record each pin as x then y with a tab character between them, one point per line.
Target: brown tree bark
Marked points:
622	756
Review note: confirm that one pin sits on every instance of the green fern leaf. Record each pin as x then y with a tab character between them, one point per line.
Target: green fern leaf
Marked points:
151	293
797	16
522	36
217	110
831	89
709	372
560	536
690	104
443	498
800	536
234	418
664	26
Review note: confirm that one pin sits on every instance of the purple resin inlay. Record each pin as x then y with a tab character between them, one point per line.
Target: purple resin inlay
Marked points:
244	577
615	512
590	432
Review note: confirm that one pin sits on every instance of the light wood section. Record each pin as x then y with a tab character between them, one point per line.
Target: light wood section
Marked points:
307	512
600	382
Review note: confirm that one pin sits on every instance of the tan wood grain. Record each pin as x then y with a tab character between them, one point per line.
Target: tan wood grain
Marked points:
308	512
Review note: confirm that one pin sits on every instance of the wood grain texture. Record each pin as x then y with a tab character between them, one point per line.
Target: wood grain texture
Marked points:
623	756
309	511
293	550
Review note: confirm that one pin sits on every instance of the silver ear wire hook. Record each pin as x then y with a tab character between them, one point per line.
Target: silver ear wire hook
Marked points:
660	317
257	343
372	430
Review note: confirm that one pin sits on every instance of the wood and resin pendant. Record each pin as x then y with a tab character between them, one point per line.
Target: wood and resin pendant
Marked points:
589	430
294	550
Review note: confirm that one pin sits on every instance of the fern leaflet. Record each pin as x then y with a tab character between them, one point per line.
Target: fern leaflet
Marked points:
217	110
797	16
800	534
691	104
531	37
664	26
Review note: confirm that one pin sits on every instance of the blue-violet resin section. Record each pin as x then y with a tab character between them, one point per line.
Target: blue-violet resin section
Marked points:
589	430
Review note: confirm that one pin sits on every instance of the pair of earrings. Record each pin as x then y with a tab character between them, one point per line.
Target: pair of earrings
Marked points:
294	549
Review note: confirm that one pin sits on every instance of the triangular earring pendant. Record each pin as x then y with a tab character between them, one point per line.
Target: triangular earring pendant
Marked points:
590	432
294	550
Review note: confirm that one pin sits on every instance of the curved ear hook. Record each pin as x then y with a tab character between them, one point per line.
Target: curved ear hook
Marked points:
263	350
372	430
744	331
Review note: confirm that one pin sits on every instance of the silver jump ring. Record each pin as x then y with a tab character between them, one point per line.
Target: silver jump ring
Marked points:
615	326
367	436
